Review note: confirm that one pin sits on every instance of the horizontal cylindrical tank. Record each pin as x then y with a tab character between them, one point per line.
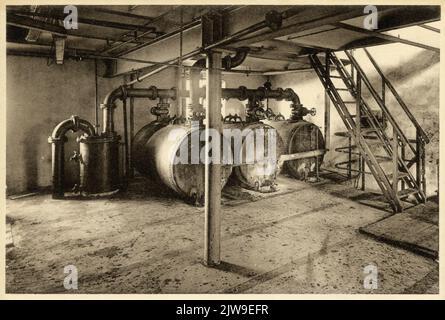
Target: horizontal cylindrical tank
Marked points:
155	148
299	136
99	165
259	175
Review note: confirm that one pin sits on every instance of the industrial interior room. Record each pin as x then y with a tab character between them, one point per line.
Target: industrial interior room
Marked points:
101	99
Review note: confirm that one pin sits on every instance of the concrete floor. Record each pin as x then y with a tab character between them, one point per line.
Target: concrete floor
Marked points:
147	241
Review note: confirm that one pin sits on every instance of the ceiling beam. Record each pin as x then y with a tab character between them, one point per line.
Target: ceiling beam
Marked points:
33	24
82	20
310	18
429	28
119	13
111	48
29	23
385	36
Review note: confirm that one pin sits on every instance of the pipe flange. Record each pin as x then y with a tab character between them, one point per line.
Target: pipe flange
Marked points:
175	90
267	85
76	123
262	91
227	62
57	140
124	93
243	93
280	93
288	93
155	90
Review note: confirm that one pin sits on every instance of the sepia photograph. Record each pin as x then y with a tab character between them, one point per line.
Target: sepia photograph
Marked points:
231	149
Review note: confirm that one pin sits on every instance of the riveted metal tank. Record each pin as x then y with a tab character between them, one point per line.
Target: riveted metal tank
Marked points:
259	175
99	165
156	149
299	136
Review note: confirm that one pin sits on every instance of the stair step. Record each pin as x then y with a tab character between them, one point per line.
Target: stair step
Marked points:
400	175
342	89
337	77
407	192
352	101
381	159
347	134
369	130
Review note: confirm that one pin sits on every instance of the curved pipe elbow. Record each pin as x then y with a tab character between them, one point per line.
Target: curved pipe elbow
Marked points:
124	92
112	96
74	123
292	96
230	62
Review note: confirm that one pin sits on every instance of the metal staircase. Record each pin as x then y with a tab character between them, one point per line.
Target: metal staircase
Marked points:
396	162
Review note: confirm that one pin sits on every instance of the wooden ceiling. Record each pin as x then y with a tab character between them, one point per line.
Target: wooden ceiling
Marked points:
114	31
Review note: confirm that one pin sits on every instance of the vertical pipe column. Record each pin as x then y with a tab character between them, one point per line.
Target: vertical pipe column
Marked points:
58	167
418	160
96	118
126	143
212	230
395	163
131	173
327	107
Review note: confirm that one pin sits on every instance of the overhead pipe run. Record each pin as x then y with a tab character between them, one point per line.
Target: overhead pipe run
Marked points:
255	111
228	63
261	93
125	92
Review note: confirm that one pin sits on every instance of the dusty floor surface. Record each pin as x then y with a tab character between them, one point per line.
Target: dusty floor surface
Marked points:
147	241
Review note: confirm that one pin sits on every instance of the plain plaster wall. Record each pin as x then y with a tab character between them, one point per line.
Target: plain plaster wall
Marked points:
39	97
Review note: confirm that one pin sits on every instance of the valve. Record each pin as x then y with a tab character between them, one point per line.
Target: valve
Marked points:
233	118
161	111
77	157
298	112
313	112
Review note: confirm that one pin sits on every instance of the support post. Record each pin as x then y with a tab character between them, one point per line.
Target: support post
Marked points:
126	143
358	118
395	163
96	110
58	167
349	157
212	228
327	107
418	160
131	173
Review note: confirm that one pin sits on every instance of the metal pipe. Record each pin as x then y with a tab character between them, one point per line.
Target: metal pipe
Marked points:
228	63
58	139
242	93
112	48
131	175
96	110
122	93
127	157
